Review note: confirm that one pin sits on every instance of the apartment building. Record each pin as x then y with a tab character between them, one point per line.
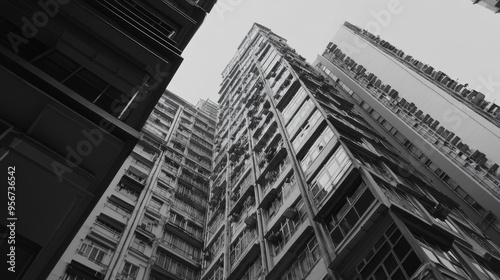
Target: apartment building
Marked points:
449	131
306	187
150	222
79	80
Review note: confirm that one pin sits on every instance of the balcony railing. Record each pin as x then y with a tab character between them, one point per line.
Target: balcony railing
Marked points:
180	250
195	183
107	230
245	241
128	193
194	214
273	175
212	228
126	214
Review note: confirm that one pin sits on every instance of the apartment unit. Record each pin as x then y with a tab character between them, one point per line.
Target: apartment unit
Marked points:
150	222
304	187
493	5
79	80
449	131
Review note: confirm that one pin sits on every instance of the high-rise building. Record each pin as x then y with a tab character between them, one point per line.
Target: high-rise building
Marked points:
493	5
79	79
306	187
150	222
440	124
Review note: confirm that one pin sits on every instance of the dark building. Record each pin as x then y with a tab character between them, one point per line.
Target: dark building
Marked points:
80	79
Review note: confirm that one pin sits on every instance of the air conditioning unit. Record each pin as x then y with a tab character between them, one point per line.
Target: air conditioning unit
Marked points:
290	213
275	238
234	197
207	256
440	211
250	221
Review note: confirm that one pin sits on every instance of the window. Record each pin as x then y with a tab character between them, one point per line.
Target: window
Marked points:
130	270
324	138
182	246
241	243
254	271
148	223
330	175
93	252
217	274
286	229
299	118
486	271
175	267
297	99
155	204
342	220
139	244
443	257
306	129
177	219
304	262
391	257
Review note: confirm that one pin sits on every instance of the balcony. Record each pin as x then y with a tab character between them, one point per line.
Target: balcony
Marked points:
214	227
191	212
170	168
131	194
173	156
106	230
202	142
172	247
173	268
190	180
118	212
197	201
244	246
141	179
183	231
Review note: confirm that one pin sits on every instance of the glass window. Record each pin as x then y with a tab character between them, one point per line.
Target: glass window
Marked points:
330	175
391	257
443	257
324	138
304	262
93	252
130	270
487	272
299	118
155	204
297	99
305	129
342	220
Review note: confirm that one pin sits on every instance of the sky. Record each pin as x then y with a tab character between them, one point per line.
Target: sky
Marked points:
454	36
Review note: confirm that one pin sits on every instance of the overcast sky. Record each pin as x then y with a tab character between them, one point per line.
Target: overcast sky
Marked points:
454	36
